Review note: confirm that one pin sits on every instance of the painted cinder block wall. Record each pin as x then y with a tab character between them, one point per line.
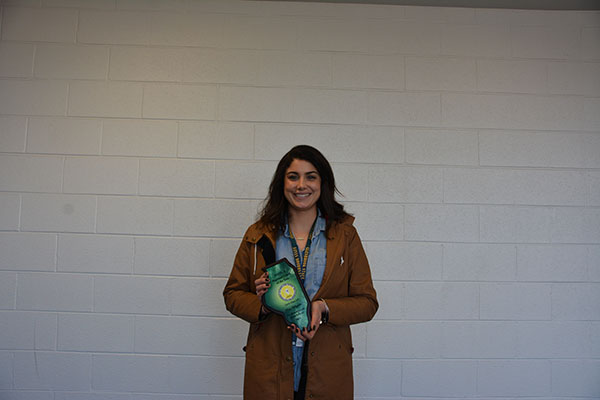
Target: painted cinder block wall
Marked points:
137	139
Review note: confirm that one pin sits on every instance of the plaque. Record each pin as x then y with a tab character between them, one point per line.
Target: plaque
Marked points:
286	295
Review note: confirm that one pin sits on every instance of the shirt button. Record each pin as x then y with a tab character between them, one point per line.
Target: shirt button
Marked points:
312	353
310	396
288	358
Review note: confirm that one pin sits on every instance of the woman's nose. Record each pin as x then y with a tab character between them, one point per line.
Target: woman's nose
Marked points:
301	182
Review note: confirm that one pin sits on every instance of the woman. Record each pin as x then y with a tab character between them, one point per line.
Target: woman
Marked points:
301	212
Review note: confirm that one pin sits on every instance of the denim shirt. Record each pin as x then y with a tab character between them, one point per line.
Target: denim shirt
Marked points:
312	281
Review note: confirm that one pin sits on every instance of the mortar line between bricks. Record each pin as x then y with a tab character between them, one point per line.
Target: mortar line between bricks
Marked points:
20	211
56	249
78	16
138	177
16	291
177	138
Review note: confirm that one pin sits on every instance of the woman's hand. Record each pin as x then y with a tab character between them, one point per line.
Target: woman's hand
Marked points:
262	284
318	308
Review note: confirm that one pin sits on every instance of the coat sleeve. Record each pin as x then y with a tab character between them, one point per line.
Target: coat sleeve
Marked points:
361	303
240	293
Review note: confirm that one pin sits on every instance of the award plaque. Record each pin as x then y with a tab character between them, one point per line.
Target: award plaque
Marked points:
287	296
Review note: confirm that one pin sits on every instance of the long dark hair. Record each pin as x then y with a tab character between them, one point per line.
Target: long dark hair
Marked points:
275	209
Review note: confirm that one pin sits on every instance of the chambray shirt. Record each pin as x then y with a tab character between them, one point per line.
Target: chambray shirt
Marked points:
312	281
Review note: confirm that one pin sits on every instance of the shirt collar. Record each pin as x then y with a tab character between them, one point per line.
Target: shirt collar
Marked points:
319	226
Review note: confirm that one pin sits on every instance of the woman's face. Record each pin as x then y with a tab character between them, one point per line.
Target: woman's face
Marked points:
302	185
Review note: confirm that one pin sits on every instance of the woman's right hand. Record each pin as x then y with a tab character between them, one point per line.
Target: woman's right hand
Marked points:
262	284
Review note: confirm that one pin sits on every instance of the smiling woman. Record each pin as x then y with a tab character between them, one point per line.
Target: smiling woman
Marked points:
302	187
303	222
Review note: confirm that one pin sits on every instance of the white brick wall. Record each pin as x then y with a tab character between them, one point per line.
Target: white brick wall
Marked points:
138	137
105	99
150	138
514	377
28	331
13	132
28	251
34	24
95	253
16	60
8	284
51	371
33	97
71	62
24	173
57	212
64	136
9	211
450	378
106	175
95	332
172	256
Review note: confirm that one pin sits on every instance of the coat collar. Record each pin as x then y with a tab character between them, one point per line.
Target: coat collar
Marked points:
334	247
256	231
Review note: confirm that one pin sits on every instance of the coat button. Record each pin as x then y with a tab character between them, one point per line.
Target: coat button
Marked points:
312	353
288	358
310	396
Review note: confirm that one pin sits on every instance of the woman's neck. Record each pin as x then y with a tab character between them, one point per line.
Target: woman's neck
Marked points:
301	221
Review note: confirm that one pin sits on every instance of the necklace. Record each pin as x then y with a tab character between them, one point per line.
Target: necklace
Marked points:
297	237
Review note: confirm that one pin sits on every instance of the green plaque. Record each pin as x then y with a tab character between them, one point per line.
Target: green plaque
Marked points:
287	296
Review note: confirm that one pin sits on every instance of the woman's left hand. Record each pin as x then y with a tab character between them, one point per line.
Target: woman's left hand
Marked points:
318	308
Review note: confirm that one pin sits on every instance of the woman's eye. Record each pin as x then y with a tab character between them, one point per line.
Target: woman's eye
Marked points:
292	177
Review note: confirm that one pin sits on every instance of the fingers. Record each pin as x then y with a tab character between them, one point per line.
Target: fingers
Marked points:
308	335
317	311
304	334
295	331
262	284
315	323
263	277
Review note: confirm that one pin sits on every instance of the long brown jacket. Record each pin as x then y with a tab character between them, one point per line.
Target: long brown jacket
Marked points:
348	291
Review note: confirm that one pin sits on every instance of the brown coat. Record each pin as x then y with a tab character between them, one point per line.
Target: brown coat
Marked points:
348	290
